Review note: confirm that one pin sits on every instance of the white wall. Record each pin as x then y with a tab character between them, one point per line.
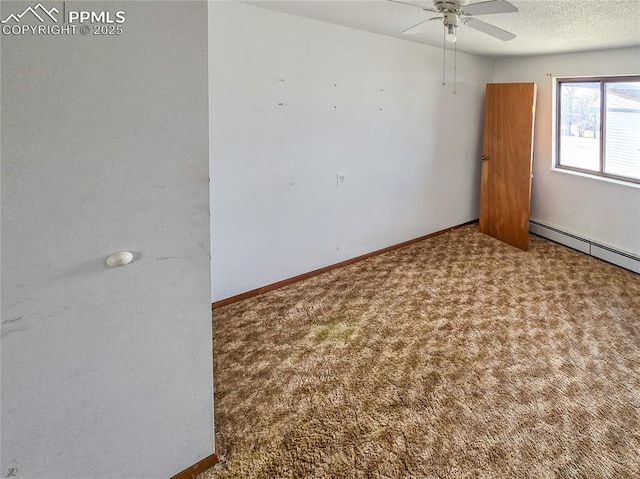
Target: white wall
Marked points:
602	211
106	373
295	101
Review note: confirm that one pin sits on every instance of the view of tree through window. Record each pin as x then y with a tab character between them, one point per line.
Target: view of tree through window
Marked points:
599	126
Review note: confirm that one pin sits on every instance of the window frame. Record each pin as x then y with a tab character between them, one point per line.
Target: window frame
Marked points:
602	80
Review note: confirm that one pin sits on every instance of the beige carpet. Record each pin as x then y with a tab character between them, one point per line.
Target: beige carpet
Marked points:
456	357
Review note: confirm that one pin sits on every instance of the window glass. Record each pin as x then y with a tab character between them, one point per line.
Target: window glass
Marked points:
622	129
580	125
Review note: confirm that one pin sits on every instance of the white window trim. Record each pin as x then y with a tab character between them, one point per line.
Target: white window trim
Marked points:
606	179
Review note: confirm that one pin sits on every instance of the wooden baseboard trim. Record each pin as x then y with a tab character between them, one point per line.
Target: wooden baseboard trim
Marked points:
197	468
285	282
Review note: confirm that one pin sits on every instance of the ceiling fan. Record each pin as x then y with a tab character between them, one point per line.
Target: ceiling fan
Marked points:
457	12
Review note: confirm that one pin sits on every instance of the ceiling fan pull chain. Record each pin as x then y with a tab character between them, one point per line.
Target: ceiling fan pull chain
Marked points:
455	68
444	57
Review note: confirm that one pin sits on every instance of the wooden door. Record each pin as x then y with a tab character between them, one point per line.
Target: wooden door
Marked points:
507	160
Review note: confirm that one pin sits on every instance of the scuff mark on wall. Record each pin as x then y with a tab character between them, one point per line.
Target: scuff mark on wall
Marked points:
17	330
14	320
13	471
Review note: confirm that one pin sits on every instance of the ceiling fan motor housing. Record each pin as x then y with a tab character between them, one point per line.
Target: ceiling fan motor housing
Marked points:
447	6
450	10
450	19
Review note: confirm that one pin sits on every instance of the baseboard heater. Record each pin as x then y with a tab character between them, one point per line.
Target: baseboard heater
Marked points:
597	250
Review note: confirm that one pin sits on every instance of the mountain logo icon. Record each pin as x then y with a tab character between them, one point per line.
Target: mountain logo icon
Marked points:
38	11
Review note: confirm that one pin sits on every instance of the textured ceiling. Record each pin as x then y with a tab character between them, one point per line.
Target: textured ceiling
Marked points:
540	26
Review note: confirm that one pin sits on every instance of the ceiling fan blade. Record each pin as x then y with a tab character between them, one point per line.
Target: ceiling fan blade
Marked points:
419	27
484	27
485	8
414	5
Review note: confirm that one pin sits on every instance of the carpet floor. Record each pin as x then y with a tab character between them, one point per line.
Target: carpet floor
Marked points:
455	357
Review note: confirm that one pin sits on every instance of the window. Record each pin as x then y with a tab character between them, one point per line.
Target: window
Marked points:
598	126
